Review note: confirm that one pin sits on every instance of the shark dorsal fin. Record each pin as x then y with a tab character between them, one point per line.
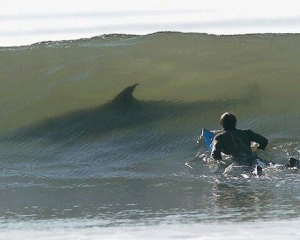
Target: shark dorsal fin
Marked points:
125	98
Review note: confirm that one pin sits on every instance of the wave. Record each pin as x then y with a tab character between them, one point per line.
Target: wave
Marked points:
68	91
52	78
80	139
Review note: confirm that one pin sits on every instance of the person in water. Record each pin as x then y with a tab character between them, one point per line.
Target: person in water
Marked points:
236	142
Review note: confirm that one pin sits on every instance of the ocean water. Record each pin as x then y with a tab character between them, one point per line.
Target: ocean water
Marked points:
86	154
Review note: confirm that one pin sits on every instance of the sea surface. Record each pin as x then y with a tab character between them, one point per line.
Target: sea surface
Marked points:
87	154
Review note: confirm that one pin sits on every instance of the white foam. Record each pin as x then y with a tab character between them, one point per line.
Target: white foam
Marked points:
279	230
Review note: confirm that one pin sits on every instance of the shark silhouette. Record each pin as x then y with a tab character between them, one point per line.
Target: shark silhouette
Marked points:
124	111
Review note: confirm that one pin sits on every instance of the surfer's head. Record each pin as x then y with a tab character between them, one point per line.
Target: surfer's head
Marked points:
228	121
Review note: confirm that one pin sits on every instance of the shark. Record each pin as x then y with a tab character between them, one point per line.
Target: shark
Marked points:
122	112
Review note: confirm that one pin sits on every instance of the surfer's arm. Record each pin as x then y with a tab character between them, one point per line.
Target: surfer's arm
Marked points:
216	148
261	140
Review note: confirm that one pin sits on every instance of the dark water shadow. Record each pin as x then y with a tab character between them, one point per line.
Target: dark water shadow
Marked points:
123	112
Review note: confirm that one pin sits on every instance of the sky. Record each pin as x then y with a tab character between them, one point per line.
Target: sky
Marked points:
25	22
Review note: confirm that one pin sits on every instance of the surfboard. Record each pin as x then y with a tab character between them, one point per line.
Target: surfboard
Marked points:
208	137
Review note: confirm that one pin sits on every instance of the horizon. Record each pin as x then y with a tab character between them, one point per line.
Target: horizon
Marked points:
37	21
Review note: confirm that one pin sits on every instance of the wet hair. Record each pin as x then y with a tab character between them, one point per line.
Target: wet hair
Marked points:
228	121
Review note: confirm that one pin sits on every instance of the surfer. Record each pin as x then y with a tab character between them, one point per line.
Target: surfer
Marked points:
237	142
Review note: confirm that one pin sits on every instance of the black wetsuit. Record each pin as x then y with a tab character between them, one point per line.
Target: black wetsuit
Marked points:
237	143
